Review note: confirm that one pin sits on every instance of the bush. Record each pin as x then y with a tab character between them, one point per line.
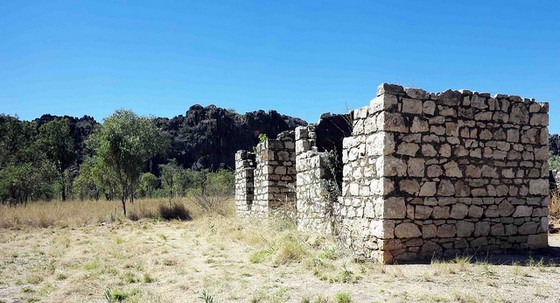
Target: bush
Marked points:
554	162
175	211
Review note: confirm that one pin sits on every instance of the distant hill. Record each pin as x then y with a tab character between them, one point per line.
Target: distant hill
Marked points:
203	138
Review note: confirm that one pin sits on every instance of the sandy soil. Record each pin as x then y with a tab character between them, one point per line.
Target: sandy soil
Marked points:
151	261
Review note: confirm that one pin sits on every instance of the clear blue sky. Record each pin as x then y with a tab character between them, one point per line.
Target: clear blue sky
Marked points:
301	58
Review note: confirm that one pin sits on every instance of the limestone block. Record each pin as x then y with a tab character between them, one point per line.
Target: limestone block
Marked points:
440	212
465	229
538	241
409	186
382	102
539	187
416	167
447	231
434	171
422	212
428	150
431	249
407	230
528	228
481	229
445	150
459	211
428	189
390	89
505	209
408	149
446	188
452	169
522	211
429	107
429	231
497	230
394	208
393	122
539	120
391	166
412	106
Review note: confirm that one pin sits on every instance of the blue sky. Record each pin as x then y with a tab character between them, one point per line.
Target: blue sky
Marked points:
301	58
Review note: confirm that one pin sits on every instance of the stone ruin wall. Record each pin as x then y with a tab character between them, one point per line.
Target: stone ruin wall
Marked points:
427	175
265	179
314	185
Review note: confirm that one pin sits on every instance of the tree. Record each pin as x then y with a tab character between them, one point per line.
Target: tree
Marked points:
149	183
24	173
56	143
123	145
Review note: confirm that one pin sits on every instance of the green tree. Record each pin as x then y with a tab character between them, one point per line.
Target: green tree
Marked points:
149	183
123	145
24	175
56	143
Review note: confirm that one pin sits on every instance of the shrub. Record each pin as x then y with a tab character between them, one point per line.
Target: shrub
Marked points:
342	297
175	211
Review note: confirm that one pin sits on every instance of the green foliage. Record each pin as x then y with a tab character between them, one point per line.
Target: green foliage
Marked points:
178	182
24	175
263	137
554	162
122	146
342	297
149	183
55	141
206	297
113	295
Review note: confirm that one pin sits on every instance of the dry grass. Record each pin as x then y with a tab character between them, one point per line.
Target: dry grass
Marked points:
554	206
228	259
81	213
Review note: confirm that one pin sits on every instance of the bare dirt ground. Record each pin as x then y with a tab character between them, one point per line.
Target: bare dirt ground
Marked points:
237	261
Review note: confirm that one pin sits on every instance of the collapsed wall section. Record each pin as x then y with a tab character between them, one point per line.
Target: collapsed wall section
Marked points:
244	181
319	171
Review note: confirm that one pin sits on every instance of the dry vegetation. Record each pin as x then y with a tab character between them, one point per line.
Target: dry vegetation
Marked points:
88	253
554	207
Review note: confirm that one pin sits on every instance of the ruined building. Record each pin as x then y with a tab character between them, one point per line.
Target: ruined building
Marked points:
413	175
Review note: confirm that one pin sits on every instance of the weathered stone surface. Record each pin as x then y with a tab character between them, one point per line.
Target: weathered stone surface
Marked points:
459	211
446	188
465	229
407	230
428	189
409	186
452	170
395	208
539	187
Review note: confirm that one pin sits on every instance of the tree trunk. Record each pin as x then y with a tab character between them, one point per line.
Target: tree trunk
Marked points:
123	200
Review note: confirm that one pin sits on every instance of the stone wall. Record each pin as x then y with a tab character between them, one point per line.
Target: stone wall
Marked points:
315	183
461	172
274	175
244	182
427	175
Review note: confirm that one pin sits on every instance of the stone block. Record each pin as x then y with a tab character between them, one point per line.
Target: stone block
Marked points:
407	230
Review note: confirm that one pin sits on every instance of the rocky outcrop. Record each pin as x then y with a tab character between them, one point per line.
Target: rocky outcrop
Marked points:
203	138
208	137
